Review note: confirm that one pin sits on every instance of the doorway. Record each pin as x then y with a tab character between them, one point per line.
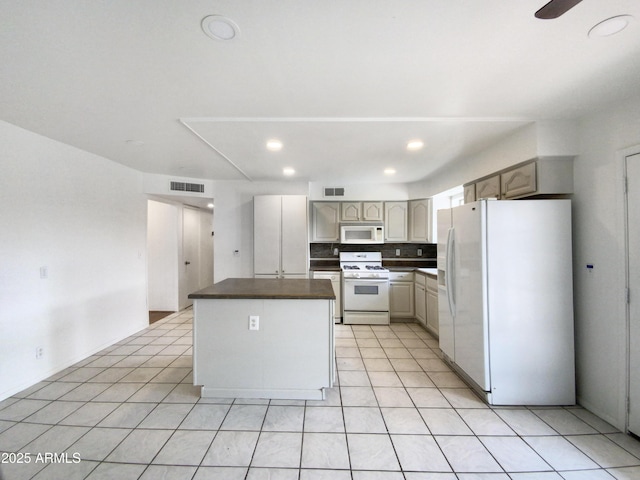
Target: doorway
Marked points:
179	253
632	226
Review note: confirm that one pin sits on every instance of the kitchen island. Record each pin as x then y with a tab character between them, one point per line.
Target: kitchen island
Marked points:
264	338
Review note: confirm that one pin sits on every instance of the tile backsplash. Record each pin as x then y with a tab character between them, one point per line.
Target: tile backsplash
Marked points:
407	250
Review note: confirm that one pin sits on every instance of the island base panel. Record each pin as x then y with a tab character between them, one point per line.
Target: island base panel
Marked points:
291	355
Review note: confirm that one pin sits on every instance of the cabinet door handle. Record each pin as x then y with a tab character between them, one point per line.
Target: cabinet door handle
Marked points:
187	263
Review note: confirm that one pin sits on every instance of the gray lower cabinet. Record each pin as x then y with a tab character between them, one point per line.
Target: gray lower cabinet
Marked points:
401	295
336	283
420	298
431	294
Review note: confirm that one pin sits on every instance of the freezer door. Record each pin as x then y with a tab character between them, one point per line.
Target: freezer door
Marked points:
469	291
445	315
443	223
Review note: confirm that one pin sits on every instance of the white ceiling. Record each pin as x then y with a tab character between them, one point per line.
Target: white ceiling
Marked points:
344	84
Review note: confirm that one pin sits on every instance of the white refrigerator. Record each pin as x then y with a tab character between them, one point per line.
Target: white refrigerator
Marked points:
505	298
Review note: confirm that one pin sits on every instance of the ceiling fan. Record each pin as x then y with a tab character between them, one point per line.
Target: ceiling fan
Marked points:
555	8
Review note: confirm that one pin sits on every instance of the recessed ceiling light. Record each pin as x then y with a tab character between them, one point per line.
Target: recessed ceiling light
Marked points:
209	205
610	26
219	27
274	145
415	145
389	171
288	171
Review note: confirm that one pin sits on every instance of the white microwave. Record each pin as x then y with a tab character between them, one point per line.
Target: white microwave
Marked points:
361	233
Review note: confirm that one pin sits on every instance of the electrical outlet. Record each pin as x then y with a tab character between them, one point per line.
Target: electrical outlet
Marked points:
254	322
44	273
419	252
39	352
397	252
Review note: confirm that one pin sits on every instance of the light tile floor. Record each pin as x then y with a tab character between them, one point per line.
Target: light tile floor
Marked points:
399	413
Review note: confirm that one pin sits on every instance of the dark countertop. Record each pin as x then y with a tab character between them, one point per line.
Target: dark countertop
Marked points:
268	288
428	271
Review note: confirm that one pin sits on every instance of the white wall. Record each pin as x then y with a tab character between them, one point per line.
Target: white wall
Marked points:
545	138
84	218
233	223
162	256
518	147
361	191
159	185
598	230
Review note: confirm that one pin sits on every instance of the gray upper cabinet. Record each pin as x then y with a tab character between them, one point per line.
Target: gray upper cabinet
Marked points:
325	223
519	181
350	211
488	188
404	221
361	211
540	176
543	176
420	220
470	193
396	221
372	211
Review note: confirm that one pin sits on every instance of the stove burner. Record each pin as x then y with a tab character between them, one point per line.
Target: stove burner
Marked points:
375	267
351	267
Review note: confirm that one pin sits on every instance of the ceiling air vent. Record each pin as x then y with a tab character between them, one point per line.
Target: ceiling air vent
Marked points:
334	191
187	187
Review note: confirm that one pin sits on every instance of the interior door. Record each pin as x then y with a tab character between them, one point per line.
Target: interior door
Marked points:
206	248
633	252
190	253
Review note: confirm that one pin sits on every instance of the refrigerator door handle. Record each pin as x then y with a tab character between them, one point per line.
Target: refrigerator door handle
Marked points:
449	278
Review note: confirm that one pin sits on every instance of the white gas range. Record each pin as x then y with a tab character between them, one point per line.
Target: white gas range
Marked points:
365	288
